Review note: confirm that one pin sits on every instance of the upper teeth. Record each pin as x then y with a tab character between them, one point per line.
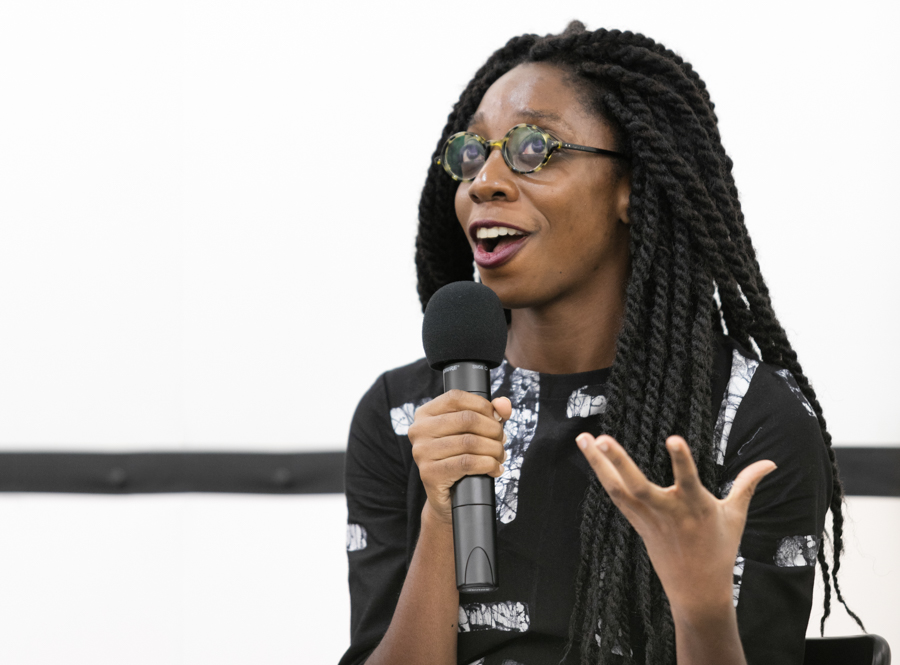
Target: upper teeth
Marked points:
494	231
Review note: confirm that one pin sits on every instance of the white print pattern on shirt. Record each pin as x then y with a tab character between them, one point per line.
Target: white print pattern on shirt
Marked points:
403	416
508	616
742	371
498	374
356	537
725	489
582	404
738	574
794	551
792	384
524	393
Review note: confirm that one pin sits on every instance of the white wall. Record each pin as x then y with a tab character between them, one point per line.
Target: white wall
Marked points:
173	580
195	255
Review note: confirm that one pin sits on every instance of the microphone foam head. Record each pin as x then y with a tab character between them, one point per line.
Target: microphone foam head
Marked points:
464	321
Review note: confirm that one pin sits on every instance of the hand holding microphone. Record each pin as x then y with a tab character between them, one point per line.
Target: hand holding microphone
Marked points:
457	439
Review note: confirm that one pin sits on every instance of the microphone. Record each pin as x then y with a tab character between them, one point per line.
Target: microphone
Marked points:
464	334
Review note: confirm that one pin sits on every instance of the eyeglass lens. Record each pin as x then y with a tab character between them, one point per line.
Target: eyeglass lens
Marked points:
465	156
525	150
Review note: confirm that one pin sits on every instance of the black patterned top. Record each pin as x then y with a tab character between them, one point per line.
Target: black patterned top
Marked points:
761	415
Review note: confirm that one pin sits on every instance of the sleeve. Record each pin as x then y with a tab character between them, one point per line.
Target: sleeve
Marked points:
376	475
775	569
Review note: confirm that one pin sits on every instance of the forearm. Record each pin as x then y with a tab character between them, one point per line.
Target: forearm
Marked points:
709	637
424	626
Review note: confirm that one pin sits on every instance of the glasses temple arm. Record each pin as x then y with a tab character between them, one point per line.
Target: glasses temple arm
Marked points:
584	148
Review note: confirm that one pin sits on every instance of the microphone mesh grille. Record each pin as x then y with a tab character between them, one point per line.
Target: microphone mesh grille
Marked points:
464	321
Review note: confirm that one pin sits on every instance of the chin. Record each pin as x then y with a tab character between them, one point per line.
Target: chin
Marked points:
512	295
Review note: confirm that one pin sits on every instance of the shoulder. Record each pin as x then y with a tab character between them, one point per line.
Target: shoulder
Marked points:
388	407
412	381
765	415
396	394
774	401
377	446
763	386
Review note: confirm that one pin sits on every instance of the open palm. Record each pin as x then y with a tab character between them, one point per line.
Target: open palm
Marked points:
691	536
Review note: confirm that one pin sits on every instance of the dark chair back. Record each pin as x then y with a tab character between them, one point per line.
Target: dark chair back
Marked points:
855	650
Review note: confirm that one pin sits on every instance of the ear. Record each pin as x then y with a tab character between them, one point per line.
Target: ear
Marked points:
623	197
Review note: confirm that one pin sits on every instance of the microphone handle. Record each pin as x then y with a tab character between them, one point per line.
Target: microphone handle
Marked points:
473	498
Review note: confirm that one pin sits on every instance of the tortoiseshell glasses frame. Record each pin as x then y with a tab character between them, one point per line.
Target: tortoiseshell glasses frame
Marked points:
525	149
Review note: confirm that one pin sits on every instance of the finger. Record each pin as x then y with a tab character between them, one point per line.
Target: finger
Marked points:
633	478
454	468
746	482
606	472
685	471
466	444
502	407
464	422
456	400
608	475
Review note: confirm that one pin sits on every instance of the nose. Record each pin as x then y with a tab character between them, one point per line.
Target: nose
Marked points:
495	181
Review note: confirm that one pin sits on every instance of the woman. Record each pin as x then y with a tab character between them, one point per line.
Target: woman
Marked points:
585	176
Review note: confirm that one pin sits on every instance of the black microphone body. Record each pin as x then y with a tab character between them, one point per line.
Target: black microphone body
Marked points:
464	334
473	498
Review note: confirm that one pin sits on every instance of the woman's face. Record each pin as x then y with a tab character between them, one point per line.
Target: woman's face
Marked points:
569	218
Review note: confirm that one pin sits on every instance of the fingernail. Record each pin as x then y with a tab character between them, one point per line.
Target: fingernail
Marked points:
582	441
505	438
497	416
604	446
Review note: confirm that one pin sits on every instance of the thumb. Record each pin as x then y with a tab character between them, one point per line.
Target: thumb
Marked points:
746	482
503	406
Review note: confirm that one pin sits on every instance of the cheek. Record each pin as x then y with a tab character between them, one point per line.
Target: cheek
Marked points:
463	204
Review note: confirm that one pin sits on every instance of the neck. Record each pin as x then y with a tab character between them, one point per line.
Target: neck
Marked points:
569	336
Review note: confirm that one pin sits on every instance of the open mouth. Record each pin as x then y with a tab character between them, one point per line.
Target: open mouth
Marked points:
496	244
494	238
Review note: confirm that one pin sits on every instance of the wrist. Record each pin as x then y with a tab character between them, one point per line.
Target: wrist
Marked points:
432	518
709	616
708	635
703	602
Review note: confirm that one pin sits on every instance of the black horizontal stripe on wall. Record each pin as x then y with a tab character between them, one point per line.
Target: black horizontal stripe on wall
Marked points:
147	473
869	471
864	471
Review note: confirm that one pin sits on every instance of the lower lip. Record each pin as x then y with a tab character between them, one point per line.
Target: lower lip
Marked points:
499	256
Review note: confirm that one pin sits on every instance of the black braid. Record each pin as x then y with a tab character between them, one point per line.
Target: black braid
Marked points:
688	241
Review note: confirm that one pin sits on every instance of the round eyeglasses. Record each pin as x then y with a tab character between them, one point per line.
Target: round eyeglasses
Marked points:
525	149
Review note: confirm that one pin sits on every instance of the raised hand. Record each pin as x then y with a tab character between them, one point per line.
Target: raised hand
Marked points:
692	537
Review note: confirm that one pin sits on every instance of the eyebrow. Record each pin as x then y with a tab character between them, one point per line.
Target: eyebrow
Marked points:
533	115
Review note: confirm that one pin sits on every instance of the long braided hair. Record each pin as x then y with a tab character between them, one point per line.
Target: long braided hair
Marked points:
694	274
